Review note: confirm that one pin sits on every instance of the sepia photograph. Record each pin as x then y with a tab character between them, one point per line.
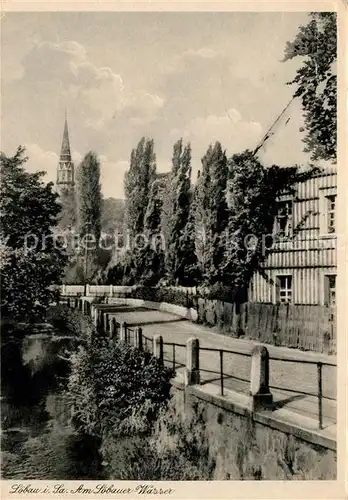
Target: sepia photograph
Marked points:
169	240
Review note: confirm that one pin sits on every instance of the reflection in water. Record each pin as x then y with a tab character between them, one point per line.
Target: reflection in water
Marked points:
38	441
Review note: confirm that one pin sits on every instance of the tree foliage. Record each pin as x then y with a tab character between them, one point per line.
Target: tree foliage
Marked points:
215	233
112	214
180	258
142	262
252	198
68	216
89	195
32	259
116	389
316	82
89	202
138	180
211	212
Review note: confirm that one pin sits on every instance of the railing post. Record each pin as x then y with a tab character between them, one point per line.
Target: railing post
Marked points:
158	347
113	328
111	290
320	394
123	331
259	379
96	317
88	291
139	338
102	322
222	372
192	373
106	323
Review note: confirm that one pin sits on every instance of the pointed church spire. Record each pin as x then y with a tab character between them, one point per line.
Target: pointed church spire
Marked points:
65	169
65	153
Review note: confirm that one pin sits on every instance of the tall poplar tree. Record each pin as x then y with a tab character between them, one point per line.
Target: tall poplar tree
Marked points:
216	213
211	213
180	252
89	210
138	180
200	208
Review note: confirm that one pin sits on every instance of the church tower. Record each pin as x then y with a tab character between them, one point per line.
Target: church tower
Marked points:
65	170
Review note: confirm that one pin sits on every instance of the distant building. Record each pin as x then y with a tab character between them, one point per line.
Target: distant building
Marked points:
302	267
65	169
65	184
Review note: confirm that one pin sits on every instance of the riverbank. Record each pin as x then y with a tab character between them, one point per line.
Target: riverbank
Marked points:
37	440
79	405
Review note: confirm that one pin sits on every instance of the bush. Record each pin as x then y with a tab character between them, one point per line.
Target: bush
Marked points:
70	321
161	294
116	389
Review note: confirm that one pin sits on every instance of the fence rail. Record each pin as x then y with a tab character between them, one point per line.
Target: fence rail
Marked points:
307	327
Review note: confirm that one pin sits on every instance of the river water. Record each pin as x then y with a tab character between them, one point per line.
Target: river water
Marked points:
37	439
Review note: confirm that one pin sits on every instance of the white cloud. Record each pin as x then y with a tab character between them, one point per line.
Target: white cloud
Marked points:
112	177
230	129
181	61
98	91
76	157
284	146
111	173
145	106
38	159
204	52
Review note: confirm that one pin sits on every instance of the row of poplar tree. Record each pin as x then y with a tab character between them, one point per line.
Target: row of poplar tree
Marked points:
209	232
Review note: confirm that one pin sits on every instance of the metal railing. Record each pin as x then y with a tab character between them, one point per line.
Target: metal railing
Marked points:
222	374
173	349
171	354
147	343
319	393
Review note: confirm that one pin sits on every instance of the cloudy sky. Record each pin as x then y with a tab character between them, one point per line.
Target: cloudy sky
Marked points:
200	76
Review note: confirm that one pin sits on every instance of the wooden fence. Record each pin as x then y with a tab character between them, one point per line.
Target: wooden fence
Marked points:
307	327
300	326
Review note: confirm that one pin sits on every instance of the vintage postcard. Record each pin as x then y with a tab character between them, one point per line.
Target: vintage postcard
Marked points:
173	250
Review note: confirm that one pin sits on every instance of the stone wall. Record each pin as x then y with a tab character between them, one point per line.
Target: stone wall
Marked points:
246	448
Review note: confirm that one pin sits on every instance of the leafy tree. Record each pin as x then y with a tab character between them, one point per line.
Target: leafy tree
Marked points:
152	222
167	208
152	256
138	181
143	206
112	214
180	259
252	193
67	216
199	209
32	259
215	210
89	210
316	82
116	389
